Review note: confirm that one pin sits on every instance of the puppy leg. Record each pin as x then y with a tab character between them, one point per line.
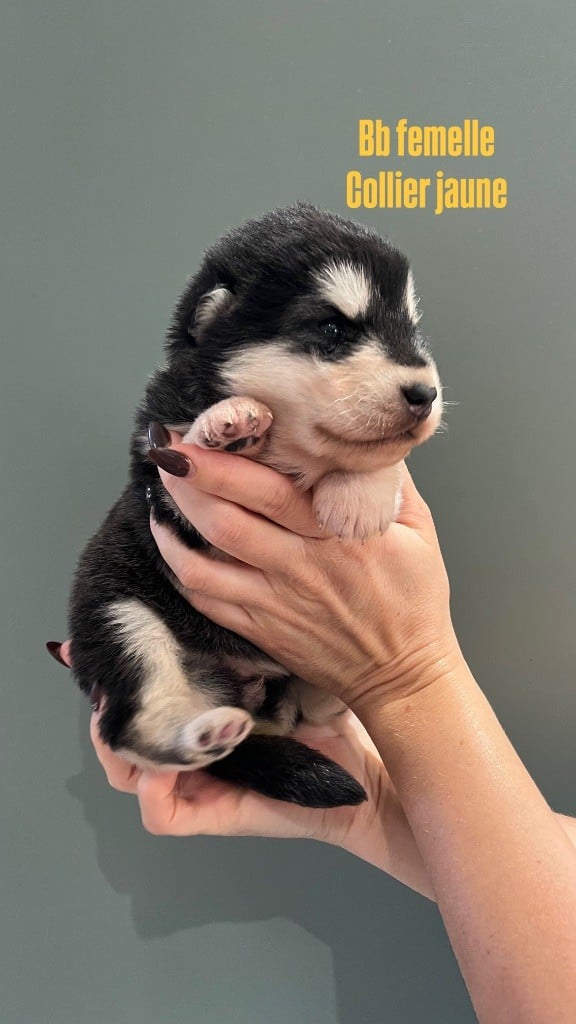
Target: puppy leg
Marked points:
357	505
183	718
316	705
232	425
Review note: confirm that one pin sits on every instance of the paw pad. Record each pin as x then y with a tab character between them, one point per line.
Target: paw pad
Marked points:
231	425
214	734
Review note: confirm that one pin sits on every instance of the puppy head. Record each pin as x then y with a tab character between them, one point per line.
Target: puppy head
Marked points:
315	316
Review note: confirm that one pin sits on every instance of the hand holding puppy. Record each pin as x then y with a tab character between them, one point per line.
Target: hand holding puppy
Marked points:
196	803
459	819
356	619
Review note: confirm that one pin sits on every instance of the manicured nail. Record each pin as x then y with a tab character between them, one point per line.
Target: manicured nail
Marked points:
53	648
158	436
96	696
173	462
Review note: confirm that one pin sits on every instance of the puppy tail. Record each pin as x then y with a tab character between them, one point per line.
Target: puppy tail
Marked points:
284	769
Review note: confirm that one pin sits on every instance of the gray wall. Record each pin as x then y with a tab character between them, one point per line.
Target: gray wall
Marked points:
132	135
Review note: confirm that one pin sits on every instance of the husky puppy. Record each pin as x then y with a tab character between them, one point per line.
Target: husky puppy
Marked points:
295	344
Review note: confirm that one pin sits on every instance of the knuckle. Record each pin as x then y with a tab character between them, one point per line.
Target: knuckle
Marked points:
190	577
279	500
425	511
225	531
213	471
421	503
216	477
152	824
120	784
304	568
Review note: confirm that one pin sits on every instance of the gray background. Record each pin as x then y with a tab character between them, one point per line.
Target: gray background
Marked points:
132	135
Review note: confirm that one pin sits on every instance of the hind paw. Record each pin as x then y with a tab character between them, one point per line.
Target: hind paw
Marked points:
214	735
232	425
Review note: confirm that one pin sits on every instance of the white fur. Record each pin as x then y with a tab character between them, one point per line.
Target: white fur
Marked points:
325	412
210	304
411	299
346	287
169	700
357	505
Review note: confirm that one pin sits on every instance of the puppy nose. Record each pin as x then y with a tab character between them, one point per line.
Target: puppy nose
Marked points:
420	397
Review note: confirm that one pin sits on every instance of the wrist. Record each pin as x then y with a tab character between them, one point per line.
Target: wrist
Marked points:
380	835
419	675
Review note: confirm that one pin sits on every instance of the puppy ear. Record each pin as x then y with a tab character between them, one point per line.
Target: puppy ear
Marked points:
210	305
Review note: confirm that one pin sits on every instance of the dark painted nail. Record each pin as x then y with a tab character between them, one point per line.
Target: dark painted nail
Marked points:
53	648
173	462
96	696
158	436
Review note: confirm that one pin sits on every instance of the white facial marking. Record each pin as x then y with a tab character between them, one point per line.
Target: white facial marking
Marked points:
345	286
411	300
357	399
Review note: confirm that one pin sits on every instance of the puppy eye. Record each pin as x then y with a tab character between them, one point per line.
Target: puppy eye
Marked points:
333	330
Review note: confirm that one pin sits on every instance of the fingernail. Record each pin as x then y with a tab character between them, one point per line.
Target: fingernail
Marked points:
158	436
53	648
173	462
96	696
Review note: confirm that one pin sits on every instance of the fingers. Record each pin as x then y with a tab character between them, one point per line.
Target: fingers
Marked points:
414	511
187	804
234	529
120	774
253	486
199	573
158	802
222	591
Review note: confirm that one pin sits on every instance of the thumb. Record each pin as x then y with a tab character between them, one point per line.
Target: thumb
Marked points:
156	793
413	511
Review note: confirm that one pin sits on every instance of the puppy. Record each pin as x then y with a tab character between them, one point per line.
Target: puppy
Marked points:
295	344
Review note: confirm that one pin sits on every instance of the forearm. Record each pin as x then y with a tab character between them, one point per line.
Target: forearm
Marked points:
500	863
387	842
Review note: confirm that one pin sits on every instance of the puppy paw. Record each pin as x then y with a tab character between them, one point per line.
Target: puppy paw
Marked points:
352	523
214	734
232	425
355	506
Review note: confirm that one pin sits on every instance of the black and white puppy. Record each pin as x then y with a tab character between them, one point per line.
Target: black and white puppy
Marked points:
295	344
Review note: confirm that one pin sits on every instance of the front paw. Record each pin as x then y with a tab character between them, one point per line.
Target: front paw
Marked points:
232	425
354	506
351	523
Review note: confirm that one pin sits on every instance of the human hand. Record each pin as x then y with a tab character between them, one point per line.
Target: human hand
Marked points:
355	618
189	803
196	803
